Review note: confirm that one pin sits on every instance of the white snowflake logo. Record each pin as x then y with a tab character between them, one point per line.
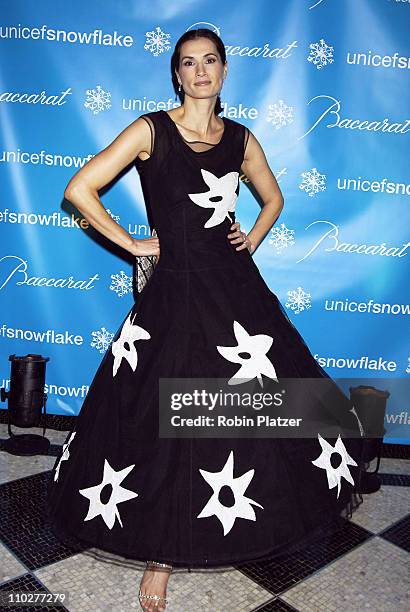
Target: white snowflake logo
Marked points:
312	182
282	237
157	41
321	54
121	283
242	507
101	339
115	217
98	100
408	366
280	114
256	362
298	300
334	475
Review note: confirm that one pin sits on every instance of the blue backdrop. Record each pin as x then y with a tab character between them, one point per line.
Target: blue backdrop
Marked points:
324	87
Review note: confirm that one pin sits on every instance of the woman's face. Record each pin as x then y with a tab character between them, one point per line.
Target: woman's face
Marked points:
200	62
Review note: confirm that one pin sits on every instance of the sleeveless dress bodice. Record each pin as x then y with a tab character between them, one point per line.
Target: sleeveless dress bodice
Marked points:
191	195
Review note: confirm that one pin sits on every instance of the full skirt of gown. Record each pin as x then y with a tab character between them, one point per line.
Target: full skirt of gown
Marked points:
119	487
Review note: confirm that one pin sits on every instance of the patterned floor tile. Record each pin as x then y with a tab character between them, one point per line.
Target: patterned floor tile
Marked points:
311	579
10	567
391	465
276	605
94	584
26	584
399	451
374	576
395	480
277	576
399	533
382	508
55	436
22	522
52	421
13	467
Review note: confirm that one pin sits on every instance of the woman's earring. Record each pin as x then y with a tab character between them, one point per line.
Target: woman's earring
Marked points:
179	90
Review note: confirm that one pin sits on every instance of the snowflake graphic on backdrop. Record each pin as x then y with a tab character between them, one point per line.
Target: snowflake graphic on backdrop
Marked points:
121	283
298	300
101	339
321	54
115	217
97	100
157	41
312	182
280	114
281	237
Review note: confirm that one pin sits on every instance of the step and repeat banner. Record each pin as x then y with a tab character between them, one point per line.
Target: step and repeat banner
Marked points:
322	84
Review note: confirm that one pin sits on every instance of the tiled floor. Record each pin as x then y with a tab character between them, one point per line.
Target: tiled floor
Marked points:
366	567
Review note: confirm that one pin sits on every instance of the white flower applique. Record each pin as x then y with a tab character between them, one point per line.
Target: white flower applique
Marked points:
334	475
242	508
221	196
65	455
256	363
124	348
109	510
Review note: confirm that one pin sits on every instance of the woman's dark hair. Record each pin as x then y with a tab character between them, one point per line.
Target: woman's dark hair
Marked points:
192	35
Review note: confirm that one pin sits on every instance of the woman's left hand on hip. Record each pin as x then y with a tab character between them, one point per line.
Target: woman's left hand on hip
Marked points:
240	237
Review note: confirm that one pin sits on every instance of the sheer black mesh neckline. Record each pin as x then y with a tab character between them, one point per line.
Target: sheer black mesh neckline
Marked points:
211	145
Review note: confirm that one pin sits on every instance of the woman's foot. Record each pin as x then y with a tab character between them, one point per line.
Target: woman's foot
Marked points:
153	587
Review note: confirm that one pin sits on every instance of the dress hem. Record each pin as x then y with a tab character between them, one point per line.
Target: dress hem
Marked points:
270	554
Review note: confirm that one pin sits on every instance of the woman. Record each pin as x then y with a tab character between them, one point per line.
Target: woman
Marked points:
205	312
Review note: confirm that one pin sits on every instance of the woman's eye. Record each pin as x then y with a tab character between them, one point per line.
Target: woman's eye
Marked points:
212	59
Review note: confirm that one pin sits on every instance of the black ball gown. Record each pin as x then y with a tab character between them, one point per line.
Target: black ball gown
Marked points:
205	312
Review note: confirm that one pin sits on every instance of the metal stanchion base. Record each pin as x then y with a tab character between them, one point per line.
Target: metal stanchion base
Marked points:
370	483
27	444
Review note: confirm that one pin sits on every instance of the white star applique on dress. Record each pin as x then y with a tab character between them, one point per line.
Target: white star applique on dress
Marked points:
129	334
242	507
64	456
221	196
108	511
334	475
257	363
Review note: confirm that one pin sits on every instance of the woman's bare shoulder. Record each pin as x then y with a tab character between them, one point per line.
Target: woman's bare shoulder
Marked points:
108	163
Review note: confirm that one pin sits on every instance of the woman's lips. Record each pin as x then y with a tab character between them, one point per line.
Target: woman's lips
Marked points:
203	83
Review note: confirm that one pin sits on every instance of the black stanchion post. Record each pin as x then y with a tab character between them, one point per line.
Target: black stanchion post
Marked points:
25	401
370	406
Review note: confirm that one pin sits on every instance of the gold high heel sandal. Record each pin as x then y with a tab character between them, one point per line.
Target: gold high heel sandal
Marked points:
157	598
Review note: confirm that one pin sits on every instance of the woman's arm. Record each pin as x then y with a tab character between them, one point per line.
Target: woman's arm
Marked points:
256	168
82	190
